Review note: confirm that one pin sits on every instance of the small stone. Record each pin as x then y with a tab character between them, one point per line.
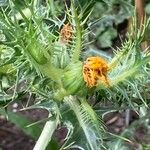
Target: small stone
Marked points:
14	110
15	105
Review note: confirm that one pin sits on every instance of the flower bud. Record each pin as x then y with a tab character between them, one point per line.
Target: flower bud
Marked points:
73	78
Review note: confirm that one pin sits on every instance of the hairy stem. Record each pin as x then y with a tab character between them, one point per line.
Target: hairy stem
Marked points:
78	46
51	72
123	76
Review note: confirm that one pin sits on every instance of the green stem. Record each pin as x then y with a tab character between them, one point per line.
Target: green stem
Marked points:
51	72
131	72
78	44
125	75
46	134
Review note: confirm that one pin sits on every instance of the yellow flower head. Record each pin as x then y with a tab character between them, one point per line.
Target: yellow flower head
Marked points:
94	69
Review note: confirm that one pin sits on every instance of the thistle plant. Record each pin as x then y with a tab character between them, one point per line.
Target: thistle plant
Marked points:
46	55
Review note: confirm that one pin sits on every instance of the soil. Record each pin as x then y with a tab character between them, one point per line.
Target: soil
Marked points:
12	138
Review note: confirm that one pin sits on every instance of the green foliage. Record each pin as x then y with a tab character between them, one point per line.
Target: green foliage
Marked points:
106	17
147	9
109	34
89	122
35	60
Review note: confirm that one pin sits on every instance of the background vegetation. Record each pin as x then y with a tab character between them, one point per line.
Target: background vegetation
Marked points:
40	68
